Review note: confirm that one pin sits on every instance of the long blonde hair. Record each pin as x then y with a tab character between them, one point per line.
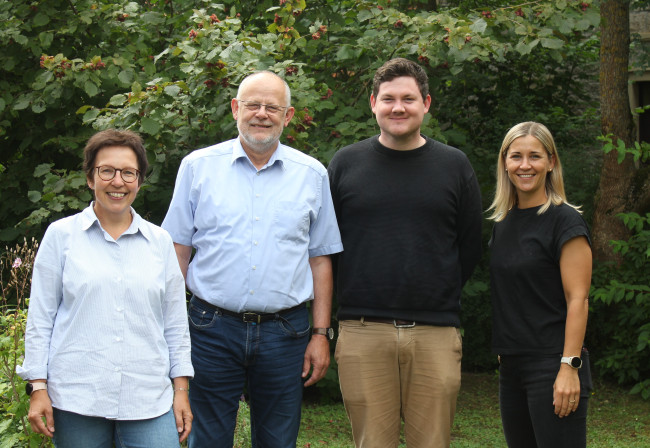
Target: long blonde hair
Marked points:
505	197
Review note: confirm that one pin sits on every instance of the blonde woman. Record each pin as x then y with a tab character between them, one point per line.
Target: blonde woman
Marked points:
540	267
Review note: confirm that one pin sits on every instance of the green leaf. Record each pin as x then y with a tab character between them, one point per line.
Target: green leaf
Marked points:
91	88
479	26
346	52
172	90
39	107
41	19
150	126
10	441
43	169
90	115
161	54
45	39
22	102
34	196
552	42
364	15
126	77
118	100
42	80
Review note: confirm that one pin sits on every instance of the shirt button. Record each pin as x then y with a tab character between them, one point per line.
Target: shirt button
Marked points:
117	369
254	267
119	309
255	243
252	292
258	195
257	218
258	173
118	339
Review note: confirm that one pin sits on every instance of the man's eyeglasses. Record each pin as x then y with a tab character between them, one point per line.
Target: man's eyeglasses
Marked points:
271	109
128	175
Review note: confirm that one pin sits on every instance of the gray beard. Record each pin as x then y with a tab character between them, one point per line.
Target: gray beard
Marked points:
260	146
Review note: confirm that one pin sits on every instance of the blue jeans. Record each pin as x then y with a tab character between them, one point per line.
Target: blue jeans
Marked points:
80	431
526	402
228	353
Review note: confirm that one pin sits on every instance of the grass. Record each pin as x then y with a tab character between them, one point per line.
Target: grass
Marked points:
616	419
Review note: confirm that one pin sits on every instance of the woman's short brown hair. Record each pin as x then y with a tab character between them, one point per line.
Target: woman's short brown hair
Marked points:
115	137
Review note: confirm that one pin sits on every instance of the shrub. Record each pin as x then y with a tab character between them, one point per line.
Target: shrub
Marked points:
620	327
15	280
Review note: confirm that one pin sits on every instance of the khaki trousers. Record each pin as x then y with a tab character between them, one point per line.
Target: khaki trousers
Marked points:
388	373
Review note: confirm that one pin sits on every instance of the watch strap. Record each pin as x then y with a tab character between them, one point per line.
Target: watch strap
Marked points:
327	332
38	385
574	361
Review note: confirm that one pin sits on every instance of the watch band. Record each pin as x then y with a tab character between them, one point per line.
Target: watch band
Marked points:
32	387
327	332
573	361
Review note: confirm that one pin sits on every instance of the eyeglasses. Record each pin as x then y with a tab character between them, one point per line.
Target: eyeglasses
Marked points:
128	175
271	109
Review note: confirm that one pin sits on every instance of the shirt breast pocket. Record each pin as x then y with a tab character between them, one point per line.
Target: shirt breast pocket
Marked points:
291	222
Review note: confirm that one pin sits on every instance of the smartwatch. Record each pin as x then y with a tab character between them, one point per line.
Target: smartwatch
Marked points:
573	361
328	332
31	387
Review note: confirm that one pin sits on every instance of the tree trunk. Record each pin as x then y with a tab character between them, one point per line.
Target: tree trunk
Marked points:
613	194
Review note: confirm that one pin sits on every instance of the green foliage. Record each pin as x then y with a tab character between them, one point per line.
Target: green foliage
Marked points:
639	152
15	280
169	70
621	309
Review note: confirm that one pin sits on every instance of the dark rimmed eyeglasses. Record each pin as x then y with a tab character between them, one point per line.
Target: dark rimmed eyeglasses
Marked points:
128	175
254	106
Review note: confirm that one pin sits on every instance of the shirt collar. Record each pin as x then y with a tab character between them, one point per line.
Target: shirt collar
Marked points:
279	155
88	218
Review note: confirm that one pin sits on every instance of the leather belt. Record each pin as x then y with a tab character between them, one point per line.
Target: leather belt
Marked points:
247	316
398	323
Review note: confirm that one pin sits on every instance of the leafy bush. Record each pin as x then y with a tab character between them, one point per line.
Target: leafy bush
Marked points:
15	280
620	326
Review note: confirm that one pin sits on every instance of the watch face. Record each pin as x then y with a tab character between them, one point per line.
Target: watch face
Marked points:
29	388
330	333
576	362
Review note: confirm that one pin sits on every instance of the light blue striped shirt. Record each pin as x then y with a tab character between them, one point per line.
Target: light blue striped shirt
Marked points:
107	322
253	230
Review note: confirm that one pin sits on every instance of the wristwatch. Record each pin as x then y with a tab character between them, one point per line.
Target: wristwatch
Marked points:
573	361
328	332
31	387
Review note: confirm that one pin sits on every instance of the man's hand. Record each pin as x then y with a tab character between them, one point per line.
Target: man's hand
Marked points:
40	407
317	359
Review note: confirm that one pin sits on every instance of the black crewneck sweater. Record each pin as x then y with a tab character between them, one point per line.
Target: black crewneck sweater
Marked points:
411	228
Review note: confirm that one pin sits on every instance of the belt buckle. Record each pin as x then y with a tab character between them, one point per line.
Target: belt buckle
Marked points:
251	317
409	325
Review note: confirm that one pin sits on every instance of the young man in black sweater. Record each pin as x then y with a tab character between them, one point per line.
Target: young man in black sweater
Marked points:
409	210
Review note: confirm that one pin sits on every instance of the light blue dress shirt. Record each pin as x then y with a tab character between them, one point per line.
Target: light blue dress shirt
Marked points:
107	321
253	230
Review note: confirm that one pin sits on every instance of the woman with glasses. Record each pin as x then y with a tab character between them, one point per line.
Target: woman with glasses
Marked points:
107	348
540	268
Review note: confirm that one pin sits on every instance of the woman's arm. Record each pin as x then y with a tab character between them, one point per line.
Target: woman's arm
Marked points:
575	268
176	333
181	406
